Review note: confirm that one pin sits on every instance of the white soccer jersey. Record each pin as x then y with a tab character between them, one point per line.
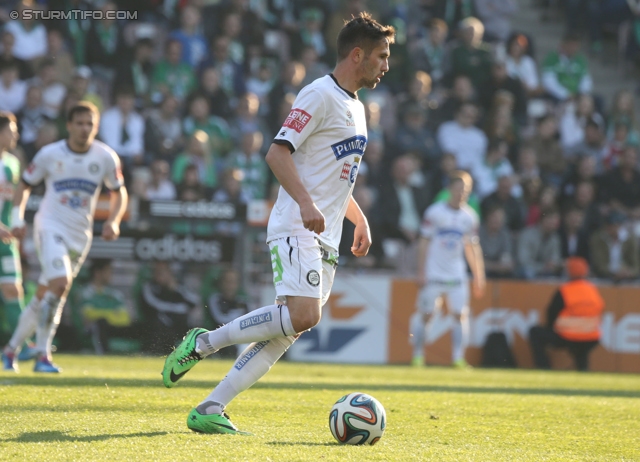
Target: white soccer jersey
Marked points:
73	182
448	229
327	131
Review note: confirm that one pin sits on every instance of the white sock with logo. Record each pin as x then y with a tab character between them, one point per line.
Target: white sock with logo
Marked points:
417	328
50	314
250	366
460	337
26	325
262	324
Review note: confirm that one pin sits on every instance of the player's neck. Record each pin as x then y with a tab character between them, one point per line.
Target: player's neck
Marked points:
344	80
78	148
454	206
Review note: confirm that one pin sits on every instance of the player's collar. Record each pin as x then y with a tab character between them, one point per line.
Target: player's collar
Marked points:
351	94
66	144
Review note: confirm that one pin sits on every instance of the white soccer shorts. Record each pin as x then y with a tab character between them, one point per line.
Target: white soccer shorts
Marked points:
57	257
430	297
301	267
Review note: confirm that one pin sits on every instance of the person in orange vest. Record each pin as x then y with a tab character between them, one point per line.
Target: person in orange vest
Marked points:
573	319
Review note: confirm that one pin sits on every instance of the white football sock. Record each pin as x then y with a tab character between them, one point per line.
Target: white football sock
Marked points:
26	325
460	337
417	327
50	315
262	324
250	366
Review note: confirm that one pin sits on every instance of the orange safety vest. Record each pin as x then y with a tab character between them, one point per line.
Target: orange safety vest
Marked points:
579	320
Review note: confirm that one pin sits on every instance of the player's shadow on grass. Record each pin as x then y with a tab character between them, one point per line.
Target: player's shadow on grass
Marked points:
116	382
299	443
55	436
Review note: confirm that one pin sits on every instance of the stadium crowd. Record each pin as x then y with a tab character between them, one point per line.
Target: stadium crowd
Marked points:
192	93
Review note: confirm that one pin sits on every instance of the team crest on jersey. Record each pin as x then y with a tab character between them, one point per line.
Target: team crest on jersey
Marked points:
59	166
94	168
350	121
354	145
346	171
297	119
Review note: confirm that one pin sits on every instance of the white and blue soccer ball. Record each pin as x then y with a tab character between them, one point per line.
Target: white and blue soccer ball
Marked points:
357	418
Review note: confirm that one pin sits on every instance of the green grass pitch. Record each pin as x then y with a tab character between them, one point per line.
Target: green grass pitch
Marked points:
115	408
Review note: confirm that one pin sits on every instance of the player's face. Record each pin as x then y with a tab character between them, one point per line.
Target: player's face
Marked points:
374	66
9	136
459	193
83	128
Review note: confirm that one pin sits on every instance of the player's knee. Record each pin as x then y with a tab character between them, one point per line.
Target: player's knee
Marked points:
59	286
305	314
11	291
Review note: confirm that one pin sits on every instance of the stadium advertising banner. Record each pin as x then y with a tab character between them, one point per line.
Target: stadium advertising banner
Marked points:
366	320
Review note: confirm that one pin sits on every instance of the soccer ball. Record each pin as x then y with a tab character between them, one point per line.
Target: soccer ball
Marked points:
357	418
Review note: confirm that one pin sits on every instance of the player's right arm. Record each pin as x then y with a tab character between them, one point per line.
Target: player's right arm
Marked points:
281	163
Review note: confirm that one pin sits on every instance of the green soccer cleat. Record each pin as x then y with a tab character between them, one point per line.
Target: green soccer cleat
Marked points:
462	364
182	359
212	423
417	361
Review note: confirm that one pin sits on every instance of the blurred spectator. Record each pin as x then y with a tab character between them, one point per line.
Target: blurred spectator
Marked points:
574	121
593	144
25	70
500	124
539	253
165	306
53	91
528	164
400	205
136	72
163	131
500	81
13	92
531	198
377	172
105	44
584	199
30	34
504	198
414	136
194	45
232	30
230	189
496	242
32	116
247	118
74	27
122	128
417	96
260	84
608	12
564	72
545	143
81	85
537	206
471	57
226	302
430	53
47	134
231	73
290	81
623	112
522	66
63	60
496	17
216	128
453	11
197	155
495	165
375	131
160	187
585	170
463	139
101	310
313	66
620	187
461	93
574	238
616	145
310	33
614	250
219	102
191	189
171	76
249	160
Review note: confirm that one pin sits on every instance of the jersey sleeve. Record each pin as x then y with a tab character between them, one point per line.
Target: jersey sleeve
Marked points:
471	236
427	228
36	171
306	115
113	172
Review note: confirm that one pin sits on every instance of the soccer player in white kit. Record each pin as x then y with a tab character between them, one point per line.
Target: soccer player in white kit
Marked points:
74	171
449	233
315	157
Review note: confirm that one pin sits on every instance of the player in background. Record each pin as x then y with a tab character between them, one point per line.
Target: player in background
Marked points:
10	269
74	171
315	157
449	233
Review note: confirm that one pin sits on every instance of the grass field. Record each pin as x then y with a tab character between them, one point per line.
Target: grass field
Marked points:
113	408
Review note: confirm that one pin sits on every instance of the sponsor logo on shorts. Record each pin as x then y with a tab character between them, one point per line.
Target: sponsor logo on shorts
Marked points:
250	354
256	320
354	145
313	278
297	119
57	263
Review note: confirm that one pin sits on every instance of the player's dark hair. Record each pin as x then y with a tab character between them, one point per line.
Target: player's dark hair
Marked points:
6	118
461	175
364	32
82	107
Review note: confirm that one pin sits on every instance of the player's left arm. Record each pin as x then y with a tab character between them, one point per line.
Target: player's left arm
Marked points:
473	252
118	198
362	233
